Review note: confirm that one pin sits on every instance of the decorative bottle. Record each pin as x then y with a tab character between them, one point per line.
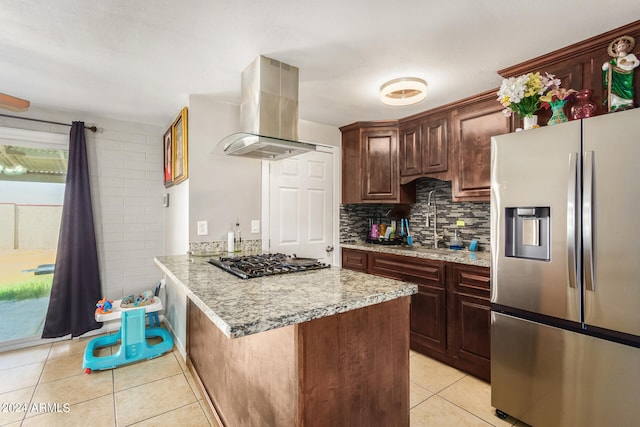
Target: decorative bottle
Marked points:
237	237
230	239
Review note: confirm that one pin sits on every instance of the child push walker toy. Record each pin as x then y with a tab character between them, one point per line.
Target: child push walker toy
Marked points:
133	333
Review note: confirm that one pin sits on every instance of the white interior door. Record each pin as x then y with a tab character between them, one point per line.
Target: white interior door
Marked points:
301	206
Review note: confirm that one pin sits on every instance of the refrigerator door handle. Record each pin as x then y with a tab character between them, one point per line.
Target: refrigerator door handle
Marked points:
572	265
587	212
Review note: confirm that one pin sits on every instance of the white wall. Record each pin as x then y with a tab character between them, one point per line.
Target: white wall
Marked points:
221	187
125	161
319	133
224	188
176	232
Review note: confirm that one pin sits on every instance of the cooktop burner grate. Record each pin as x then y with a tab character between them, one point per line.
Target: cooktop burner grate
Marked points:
251	266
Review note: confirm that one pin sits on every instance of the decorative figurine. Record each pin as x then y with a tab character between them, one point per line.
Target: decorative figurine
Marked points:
617	74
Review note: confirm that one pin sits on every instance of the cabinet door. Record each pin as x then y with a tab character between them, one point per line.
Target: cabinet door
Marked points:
354	259
380	164
474	125
351	166
434	136
429	320
470	318
410	150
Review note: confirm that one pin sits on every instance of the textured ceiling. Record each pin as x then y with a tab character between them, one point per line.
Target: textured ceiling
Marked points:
140	60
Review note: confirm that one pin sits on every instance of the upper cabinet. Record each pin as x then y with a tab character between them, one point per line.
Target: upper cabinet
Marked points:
382	160
370	165
474	122
424	147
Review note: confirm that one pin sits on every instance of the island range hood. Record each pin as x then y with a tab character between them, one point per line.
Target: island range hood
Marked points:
268	113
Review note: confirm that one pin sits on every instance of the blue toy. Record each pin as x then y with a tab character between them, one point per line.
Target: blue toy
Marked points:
134	347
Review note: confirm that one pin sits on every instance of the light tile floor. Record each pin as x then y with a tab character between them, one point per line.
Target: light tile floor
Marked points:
162	392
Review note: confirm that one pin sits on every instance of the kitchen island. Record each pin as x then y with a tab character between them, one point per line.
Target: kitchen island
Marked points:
324	347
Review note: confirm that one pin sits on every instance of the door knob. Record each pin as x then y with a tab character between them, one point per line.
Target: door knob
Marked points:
329	249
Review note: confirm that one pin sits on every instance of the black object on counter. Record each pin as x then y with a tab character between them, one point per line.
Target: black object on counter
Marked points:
251	266
384	241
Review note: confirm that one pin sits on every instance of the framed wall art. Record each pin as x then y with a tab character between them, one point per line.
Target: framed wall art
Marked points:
180	159
168	157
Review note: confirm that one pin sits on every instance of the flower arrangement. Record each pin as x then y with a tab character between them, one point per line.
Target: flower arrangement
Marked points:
556	97
522	94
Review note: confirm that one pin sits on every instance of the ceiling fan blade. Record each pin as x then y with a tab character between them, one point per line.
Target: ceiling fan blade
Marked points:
12	103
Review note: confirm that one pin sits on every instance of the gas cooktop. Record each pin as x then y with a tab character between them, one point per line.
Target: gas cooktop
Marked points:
251	266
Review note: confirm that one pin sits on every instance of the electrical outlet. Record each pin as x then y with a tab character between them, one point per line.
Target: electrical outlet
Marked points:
255	225
203	228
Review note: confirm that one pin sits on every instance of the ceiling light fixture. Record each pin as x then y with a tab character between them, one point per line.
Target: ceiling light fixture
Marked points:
403	91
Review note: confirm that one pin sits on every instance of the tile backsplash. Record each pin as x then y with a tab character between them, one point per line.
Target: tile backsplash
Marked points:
476	215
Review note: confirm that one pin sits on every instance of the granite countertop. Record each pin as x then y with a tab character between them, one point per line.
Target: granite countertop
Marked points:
243	307
481	259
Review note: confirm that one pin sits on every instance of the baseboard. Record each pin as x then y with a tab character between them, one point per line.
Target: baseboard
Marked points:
179	345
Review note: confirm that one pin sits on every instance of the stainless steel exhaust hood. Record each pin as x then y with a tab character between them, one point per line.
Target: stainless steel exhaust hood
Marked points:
268	113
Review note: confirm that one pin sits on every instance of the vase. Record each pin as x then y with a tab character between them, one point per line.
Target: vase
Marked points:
530	122
558	116
584	106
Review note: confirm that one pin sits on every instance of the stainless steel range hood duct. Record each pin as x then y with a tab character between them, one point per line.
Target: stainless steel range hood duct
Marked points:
268	112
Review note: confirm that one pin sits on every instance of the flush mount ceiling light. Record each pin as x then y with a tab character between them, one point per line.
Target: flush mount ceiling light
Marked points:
403	91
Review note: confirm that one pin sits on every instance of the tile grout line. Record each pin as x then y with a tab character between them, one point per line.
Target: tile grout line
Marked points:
37	385
455	404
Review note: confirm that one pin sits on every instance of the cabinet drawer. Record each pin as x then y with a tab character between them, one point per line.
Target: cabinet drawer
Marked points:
408	269
471	280
354	259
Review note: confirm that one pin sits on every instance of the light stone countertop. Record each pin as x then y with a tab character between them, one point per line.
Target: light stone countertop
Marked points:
243	307
481	259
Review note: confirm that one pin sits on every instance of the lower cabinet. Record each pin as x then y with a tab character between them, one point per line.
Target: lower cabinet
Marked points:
450	314
469	319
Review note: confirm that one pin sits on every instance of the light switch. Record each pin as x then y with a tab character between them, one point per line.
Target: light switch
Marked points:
203	228
255	225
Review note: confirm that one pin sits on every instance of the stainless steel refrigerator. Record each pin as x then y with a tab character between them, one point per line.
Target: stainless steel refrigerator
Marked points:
565	246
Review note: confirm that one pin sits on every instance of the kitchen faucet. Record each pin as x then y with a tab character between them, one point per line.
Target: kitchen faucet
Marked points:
432	210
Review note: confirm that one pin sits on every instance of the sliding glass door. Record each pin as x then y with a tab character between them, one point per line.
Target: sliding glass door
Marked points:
32	175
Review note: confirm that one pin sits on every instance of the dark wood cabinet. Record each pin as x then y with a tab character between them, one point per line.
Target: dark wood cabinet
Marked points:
428	306
469	313
380	164
474	123
370	171
410	151
434	132
424	147
450	314
354	259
